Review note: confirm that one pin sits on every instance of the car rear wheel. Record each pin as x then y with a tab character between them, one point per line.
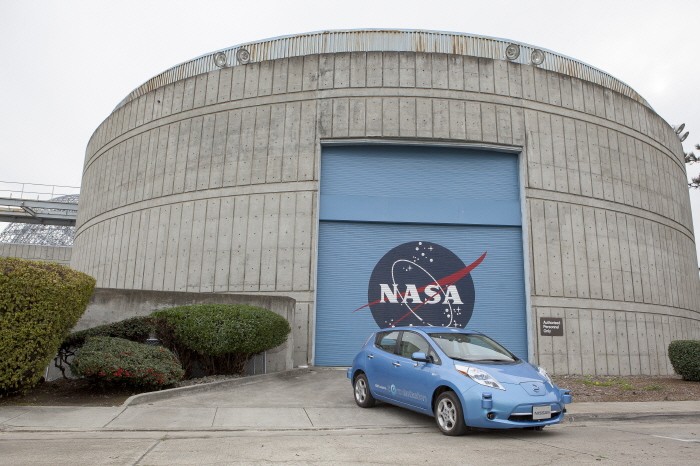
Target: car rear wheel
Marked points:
448	414
363	397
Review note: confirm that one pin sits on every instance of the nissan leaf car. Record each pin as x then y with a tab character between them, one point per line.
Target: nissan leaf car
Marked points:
462	378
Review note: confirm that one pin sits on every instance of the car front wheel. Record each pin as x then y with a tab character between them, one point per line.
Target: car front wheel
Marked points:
363	397
448	414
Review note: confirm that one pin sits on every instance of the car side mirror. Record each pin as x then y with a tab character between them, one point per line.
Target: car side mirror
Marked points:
420	357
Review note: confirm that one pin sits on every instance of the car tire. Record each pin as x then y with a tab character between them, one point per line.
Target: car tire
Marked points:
363	397
449	416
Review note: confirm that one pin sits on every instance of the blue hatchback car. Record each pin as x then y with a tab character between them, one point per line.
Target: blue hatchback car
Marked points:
462	378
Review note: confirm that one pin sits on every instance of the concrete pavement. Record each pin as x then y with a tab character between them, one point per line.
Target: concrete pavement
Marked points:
299	400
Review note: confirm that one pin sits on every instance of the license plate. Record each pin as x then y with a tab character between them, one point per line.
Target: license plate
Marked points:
541	412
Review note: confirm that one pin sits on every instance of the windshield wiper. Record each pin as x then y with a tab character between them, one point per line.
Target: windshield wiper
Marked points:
492	360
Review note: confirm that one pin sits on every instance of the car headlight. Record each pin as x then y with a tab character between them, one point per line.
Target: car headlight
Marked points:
544	374
479	376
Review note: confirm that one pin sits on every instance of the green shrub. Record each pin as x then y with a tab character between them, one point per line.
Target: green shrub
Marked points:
136	329
116	361
685	358
39	303
219	338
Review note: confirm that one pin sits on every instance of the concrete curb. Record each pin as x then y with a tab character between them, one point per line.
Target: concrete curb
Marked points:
149	397
583	417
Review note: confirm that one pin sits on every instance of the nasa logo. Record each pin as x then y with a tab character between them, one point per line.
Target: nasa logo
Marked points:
421	283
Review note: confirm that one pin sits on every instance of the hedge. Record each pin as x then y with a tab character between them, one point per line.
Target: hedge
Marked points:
219	338
116	361
685	358
136	329
39	303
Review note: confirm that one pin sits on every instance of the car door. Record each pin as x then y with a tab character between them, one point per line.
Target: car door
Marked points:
413	382
379	366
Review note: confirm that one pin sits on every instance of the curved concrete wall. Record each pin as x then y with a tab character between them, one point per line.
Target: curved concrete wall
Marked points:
210	184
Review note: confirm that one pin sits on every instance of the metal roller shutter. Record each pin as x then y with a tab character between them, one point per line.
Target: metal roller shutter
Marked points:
385	206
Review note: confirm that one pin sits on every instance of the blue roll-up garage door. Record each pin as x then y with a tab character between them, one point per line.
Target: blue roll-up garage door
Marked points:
417	236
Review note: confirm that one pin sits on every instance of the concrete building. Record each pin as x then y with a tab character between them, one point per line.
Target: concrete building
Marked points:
403	177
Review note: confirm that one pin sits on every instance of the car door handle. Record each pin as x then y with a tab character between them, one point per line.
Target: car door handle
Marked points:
370	356
396	364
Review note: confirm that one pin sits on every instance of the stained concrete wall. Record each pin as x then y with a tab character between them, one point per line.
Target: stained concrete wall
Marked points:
59	254
111	305
210	184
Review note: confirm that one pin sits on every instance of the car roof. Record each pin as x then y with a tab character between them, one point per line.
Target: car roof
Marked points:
428	329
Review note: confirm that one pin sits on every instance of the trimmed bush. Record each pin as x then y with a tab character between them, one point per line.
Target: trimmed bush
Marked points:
685	358
116	361
39	303
219	338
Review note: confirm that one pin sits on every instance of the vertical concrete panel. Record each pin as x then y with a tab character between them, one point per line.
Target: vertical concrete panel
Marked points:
218	156
238	82
124	263
424	75
553	88
407	69
181	157
390	69
559	154
500	77
517	117
582	147
545	345
455	72
307	141
407	117
534	169
285	243
246	147
233	148
260	149
223	244
193	154
194	272
651	342
290	152
541	86
341	77
374	117
588	360
167	101
594	160
205	152
275	151
604	254
326	63
141	249
441	119
424	118
253	250
643	260
375	68
559	345
440	79
270	238
170	159
630	320
556	287
625	259
390	116
303	231
605	164
567	98
252	80
471	74
161	156
130	185
503	124
151	248
539	246
473	120
488	123
615	260
666	327
568	246
212	94
599	342
279	76
189	93
132	255
570	148
592	253
643	344
211	231
546	151
116	249
295	72
237	267
161	248
311	73
301	329
457	118
623	352
573	341
265	78
223	94
184	246
341	118
200	91
358	69
357	117
486	79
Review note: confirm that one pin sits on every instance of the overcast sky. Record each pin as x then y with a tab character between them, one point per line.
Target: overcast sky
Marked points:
66	64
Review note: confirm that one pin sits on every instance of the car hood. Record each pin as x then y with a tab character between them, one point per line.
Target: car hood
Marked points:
511	373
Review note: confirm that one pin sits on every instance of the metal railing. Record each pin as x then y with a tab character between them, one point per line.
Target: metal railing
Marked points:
35	191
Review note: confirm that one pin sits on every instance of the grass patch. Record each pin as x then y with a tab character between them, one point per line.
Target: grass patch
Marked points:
653	388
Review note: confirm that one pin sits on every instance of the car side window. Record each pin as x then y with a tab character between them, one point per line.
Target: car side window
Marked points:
414	343
387	341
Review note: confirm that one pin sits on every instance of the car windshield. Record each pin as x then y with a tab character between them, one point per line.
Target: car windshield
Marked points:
472	347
